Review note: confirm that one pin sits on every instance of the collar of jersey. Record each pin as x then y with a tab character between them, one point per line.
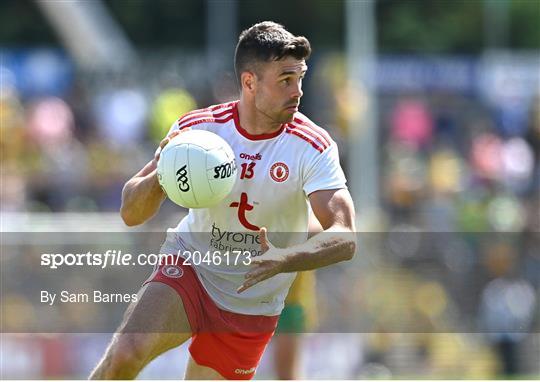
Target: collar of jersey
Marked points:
251	137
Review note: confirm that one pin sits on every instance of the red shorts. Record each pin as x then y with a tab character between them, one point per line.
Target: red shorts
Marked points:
230	343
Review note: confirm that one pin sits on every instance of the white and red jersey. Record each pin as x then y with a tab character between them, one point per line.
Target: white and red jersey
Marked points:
276	173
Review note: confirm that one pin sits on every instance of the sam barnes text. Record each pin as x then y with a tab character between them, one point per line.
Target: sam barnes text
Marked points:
95	296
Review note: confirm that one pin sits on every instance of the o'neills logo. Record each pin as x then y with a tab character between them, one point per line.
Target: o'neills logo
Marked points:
245	371
257	156
279	172
172	271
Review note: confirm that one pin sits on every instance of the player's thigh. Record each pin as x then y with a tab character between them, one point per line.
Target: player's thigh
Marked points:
286	354
157	319
196	371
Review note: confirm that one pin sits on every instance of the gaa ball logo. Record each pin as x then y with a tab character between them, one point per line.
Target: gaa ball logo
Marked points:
172	271
279	172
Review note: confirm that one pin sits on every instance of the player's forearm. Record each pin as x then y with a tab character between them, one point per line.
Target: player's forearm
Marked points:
141	198
329	247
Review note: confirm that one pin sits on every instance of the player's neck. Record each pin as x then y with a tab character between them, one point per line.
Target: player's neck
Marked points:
254	121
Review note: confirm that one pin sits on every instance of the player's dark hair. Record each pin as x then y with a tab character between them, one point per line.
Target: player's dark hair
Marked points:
265	42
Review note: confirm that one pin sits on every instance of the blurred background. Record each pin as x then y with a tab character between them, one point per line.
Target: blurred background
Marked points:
435	106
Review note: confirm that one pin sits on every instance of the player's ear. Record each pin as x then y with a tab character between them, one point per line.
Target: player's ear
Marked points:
247	80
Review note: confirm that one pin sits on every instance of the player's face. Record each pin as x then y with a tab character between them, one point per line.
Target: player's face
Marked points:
279	88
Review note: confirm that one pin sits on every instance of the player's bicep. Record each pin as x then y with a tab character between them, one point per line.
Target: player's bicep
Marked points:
333	208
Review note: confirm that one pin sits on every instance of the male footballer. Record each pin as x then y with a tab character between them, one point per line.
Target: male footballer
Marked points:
287	166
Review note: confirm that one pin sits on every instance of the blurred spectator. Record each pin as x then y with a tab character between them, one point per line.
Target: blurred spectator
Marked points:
412	122
62	158
507	311
507	307
121	115
169	105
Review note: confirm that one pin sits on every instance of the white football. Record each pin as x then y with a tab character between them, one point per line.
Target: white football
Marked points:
196	169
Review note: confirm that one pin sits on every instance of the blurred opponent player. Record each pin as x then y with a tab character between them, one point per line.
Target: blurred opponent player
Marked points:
287	163
297	317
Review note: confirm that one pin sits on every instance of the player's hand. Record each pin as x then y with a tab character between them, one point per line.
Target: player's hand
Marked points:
163	143
269	264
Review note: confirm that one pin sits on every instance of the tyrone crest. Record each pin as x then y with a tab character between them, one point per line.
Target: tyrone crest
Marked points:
172	271
279	172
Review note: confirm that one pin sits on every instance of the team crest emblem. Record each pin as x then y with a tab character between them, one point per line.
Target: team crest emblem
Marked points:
172	271
279	172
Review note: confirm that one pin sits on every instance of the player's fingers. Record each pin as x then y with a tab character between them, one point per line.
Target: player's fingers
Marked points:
164	142
263	239
168	138
242	288
157	154
255	272
262	235
252	281
174	134
246	285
